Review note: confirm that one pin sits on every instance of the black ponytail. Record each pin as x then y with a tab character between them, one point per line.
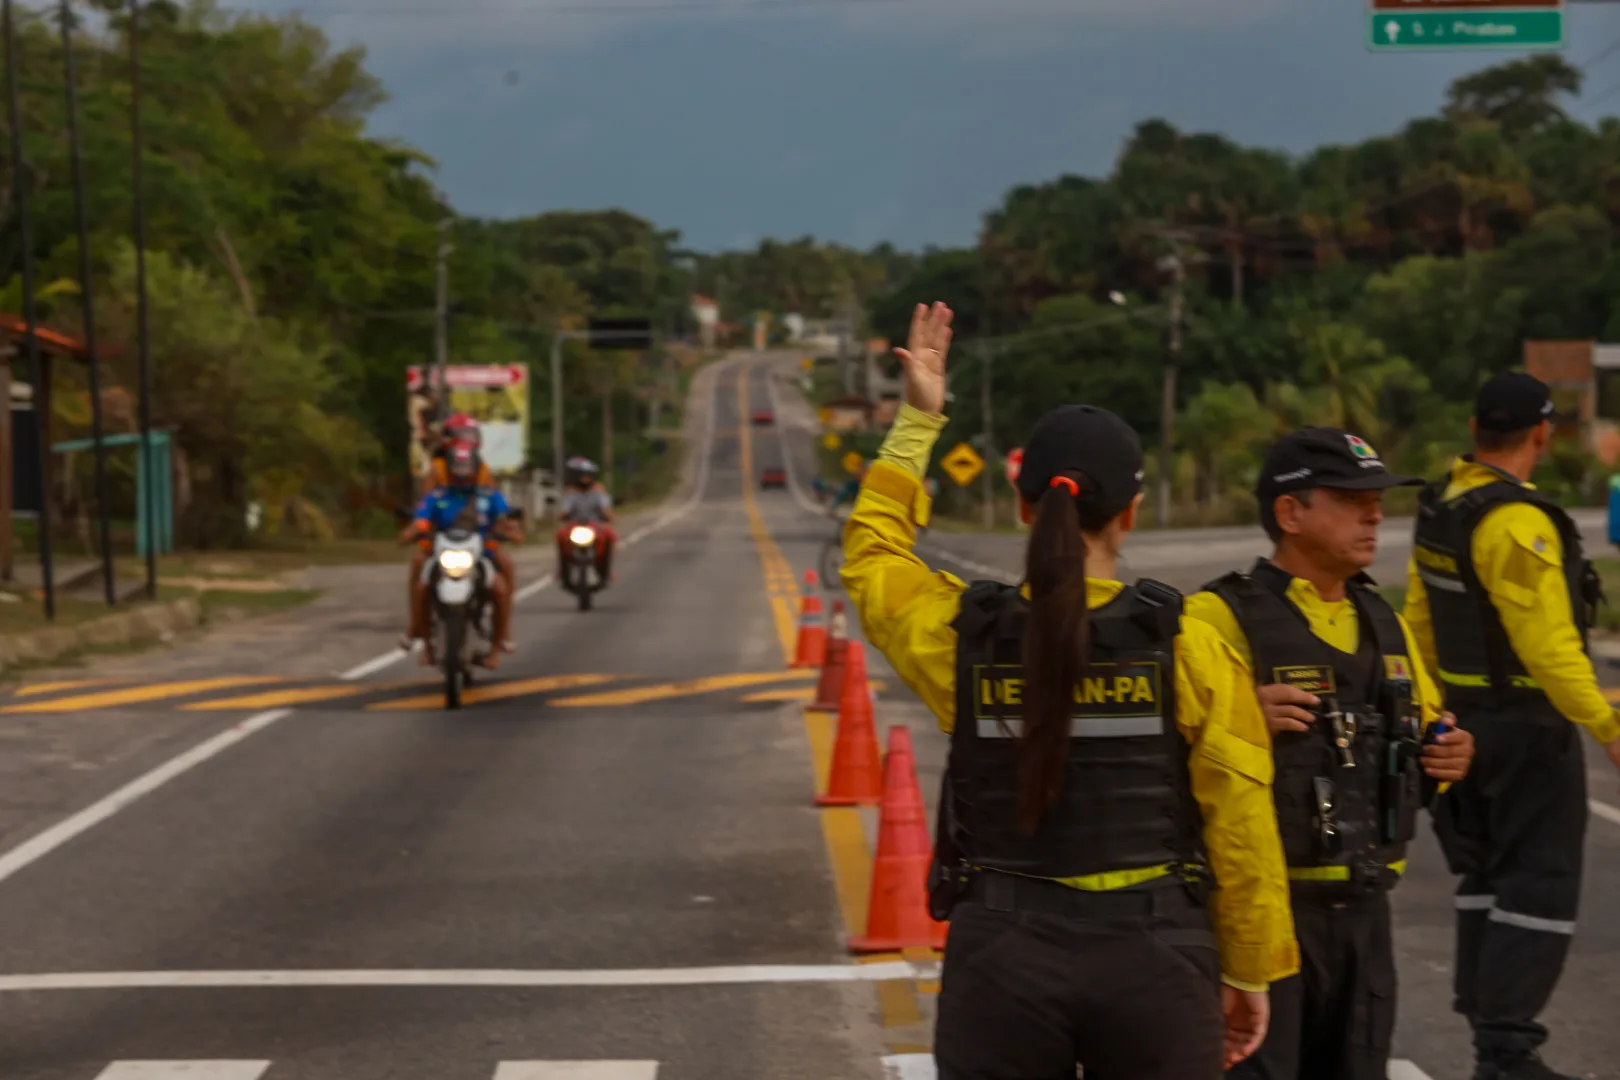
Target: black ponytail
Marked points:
1056	643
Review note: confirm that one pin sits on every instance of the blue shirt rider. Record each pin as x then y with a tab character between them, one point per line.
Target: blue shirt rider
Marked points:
442	506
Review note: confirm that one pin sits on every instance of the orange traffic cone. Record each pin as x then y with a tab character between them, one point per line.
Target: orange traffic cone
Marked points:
898	915
830	690
812	649
857	766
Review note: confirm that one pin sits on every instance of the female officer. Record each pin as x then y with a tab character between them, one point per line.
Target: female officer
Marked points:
1109	854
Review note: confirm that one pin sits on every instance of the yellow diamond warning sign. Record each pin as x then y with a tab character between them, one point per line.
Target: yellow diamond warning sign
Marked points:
962	464
853	462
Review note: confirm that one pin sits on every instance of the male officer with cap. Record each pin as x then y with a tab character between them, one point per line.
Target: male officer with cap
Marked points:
1500	600
1356	756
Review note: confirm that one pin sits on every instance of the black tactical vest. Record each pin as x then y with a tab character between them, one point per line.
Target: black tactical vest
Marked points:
1348	790
1127	803
1478	667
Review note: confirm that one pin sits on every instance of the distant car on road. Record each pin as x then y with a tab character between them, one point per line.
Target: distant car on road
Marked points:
773	478
764	417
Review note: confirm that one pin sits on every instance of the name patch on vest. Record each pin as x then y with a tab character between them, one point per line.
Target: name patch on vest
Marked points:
1311	678
1113	700
1396	667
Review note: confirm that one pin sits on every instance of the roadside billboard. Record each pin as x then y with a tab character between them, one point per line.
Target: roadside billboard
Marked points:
495	395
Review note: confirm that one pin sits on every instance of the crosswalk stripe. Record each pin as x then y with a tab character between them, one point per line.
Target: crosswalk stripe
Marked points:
663	691
496	691
577	1070
189	1070
135	695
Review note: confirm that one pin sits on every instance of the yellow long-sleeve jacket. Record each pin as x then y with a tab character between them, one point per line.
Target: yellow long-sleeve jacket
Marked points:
906	611
1519	557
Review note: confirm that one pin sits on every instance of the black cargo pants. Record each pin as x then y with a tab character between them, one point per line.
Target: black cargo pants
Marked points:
1514	830
1335	1020
1039	977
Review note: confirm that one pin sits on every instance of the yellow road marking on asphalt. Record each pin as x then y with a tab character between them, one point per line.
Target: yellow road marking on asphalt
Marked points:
847	848
35	689
805	693
495	692
135	695
304	695
637	695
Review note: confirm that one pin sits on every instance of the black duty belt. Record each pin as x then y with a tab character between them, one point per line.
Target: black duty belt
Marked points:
1010	892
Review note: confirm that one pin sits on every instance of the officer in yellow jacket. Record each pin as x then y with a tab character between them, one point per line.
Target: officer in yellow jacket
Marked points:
1350	708
1108	759
1500	598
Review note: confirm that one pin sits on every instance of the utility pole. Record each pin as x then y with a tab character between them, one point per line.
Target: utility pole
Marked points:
441	323
37	369
1167	405
143	332
987	358
91	355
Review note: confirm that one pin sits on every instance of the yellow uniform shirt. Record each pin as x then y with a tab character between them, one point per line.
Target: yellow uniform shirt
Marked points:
906	611
1519	558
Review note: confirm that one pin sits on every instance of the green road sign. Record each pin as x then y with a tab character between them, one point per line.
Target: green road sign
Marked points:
1403	31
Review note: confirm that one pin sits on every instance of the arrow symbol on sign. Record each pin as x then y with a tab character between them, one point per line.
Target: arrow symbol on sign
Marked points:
1393	29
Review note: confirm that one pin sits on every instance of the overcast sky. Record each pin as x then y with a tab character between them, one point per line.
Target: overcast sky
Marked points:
866	120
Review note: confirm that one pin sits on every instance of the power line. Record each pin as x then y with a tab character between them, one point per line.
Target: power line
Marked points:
676	7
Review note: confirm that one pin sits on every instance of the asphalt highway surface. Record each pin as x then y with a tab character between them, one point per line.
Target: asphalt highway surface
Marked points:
289	861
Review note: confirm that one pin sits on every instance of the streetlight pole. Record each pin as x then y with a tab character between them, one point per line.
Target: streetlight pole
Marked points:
143	334
557	339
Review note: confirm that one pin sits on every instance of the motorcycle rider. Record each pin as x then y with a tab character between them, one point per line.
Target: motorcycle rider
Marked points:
461	501
587	502
459	428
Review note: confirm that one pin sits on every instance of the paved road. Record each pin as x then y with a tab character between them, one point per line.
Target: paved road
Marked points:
644	826
228	866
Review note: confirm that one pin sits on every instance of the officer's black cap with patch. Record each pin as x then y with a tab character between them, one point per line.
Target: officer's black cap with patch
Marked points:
1324	457
1089	444
1513	401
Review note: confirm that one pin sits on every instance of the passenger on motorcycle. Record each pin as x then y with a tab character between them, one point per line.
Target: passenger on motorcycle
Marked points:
846	492
459	428
465	502
587	502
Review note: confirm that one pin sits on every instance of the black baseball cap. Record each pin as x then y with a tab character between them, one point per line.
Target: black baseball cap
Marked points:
1324	457
1090	445
1513	401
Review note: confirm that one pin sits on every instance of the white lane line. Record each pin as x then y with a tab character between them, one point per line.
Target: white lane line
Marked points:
921	1067
701	976
577	1070
36	848
909	1067
1605	811
191	1070
534	587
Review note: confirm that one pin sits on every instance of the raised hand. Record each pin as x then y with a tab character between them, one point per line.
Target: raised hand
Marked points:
923	358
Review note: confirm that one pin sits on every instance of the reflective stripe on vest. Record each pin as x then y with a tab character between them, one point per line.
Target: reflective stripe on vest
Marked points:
1334	873
1452	678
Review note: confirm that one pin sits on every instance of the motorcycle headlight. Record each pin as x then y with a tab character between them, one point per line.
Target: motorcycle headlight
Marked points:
455	563
583	535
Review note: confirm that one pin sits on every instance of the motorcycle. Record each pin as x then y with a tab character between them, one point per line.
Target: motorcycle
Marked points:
458	577
579	568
